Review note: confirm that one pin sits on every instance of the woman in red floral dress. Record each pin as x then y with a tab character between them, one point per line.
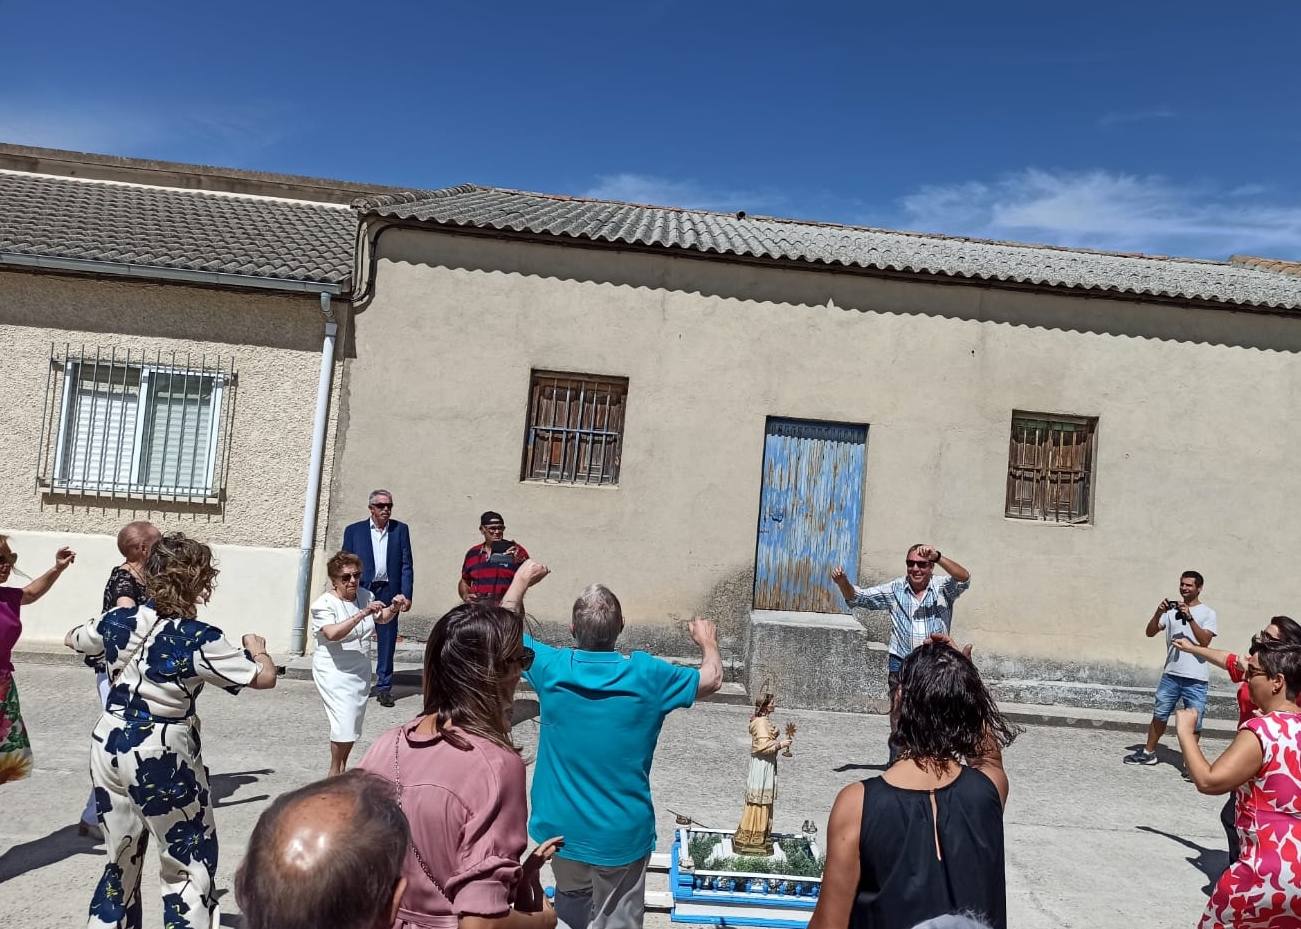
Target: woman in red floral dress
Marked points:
1262	889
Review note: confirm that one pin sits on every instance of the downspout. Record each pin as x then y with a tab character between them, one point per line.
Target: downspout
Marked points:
298	629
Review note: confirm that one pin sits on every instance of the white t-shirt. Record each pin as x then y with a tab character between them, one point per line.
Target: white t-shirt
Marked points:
1182	663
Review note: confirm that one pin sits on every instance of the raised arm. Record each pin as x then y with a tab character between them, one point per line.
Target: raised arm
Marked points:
1240	762
41	585
705	634
951	567
528	574
870	598
1154	624
1215	656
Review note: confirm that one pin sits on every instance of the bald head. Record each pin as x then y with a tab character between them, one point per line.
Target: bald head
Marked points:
328	854
135	539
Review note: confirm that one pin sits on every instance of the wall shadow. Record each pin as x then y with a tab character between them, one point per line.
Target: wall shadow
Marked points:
844	290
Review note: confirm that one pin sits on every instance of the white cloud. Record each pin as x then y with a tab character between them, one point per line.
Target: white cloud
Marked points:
660	191
1121	118
211	134
1113	211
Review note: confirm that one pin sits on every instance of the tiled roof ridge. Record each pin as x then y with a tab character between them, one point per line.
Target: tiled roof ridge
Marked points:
414	195
168	189
366	204
1281	265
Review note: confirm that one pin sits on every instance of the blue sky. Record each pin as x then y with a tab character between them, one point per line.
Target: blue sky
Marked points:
1138	126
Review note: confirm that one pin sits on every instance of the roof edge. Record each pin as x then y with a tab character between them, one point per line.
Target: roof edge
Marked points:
10	261
180	175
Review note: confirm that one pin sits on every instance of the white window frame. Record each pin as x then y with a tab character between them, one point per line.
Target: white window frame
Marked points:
135	487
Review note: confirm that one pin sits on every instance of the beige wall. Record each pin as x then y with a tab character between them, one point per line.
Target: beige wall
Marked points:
1194	449
276	343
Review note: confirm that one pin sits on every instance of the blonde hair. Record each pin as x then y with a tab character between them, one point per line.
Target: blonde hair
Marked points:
179	573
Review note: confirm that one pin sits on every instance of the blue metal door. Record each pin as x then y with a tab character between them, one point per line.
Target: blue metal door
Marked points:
810	513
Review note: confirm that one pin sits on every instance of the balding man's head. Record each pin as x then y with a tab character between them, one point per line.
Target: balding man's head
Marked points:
135	539
328	854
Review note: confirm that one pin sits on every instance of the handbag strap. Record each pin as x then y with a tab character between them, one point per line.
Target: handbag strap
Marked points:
115	676
397	779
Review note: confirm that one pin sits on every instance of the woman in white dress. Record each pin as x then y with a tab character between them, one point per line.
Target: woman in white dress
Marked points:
343	623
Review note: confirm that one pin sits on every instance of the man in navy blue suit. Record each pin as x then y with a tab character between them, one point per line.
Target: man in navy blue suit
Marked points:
384	546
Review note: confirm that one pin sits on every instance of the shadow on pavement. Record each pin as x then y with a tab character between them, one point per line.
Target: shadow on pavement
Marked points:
1210	861
47	850
223	785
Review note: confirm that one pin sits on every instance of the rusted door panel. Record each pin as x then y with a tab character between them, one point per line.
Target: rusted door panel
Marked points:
810	513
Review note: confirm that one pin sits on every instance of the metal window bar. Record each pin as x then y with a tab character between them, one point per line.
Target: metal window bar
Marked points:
116	423
572	434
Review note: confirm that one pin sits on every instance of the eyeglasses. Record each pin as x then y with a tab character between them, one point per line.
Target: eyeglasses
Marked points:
350	576
918	564
524	659
381	506
495	527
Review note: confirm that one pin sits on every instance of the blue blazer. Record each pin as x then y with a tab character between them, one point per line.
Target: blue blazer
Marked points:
356	539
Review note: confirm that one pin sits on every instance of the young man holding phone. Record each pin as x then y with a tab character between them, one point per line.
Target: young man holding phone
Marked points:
490	565
1186	677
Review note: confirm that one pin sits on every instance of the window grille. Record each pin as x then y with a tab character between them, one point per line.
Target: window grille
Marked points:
1050	468
119	423
575	428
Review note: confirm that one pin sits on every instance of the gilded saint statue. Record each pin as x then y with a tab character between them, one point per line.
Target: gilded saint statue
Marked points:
754	834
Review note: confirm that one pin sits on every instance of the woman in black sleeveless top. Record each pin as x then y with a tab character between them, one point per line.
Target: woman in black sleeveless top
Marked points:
925	839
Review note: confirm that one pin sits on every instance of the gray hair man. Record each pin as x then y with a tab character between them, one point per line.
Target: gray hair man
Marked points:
596	791
328	854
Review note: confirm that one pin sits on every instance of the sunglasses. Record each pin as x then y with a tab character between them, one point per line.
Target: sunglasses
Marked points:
495	527
381	506
525	659
350	576
918	564
10	558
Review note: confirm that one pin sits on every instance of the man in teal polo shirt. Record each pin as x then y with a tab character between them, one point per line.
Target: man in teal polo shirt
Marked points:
601	714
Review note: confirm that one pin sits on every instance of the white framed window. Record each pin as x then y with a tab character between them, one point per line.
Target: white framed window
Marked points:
131	427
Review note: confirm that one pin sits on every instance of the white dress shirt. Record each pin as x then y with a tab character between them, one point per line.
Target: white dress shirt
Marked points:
379	548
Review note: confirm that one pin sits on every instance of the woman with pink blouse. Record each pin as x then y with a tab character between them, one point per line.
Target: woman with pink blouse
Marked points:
460	780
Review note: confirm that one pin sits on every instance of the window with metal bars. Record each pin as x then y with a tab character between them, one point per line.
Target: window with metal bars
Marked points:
121	423
575	428
1050	467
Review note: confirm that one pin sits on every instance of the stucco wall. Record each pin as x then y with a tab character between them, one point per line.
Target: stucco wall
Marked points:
1193	450
276	344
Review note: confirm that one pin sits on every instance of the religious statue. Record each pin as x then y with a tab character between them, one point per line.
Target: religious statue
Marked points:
754	834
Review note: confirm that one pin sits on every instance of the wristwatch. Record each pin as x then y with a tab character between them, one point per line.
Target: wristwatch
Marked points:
938	556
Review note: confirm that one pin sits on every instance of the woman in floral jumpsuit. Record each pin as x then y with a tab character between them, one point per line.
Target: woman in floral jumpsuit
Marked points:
146	768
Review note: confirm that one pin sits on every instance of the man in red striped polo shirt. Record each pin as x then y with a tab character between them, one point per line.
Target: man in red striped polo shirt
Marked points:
486	574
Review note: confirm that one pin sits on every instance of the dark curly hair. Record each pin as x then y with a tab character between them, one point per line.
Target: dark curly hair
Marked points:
944	712
469	652
178	574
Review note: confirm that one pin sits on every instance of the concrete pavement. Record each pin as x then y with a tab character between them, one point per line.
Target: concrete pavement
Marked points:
1090	842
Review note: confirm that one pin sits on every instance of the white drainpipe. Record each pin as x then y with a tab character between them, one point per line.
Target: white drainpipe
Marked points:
298	629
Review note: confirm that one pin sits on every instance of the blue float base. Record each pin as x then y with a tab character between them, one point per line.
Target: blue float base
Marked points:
724	898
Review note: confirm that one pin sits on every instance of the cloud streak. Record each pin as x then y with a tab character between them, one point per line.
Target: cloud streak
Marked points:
1111	211
661	191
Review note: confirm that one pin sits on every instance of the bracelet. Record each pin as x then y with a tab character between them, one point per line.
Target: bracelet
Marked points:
938	556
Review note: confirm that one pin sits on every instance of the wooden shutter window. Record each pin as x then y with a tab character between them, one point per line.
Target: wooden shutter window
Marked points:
1050	468
575	428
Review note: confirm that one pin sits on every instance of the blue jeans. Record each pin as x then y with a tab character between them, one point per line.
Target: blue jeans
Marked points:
386	636
1174	689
